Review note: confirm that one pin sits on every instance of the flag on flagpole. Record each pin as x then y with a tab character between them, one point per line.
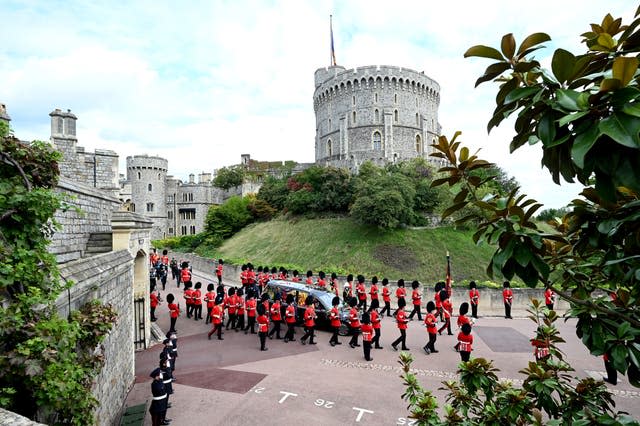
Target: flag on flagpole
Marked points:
333	51
448	280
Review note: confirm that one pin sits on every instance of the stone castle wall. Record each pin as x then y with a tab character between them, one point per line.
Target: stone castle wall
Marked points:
147	176
378	113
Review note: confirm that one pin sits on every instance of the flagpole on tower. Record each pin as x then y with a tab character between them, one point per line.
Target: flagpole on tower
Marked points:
333	51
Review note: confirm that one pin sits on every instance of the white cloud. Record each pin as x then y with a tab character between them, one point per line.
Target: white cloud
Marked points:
202	82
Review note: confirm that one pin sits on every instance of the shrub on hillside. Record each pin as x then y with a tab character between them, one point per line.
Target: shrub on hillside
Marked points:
228	218
274	192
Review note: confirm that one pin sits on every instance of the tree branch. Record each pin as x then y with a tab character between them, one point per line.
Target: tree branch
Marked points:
9	160
7	214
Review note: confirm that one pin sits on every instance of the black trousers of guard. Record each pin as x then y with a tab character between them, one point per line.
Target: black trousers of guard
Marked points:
354	335
507	310
431	344
447	325
612	374
291	326
263	339
334	335
232	321
239	322
251	324
362	303
402	339
474	310
173	324
550	306
366	348
387	308
465	355
308	333
276	329
208	319
416	310
376	338
197	312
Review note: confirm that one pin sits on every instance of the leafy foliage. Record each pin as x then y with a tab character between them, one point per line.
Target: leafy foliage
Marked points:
229	177
46	362
479	398
547	215
584	111
228	218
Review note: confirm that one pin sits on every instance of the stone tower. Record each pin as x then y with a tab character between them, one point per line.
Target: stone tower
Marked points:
3	114
378	113
147	176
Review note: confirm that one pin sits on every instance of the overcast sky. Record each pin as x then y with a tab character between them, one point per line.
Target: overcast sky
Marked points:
201	82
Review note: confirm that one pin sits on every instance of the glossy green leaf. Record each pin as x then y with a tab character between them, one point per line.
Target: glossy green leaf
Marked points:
624	68
483	52
568	99
532	40
562	64
571	117
632	109
493	71
520	93
622	128
605	40
609	84
546	129
508	45
583	143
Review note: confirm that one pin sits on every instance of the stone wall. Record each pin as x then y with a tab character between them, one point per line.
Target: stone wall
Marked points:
70	242
108	278
8	418
491	303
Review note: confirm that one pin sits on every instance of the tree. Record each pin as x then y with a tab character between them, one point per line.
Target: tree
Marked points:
552	214
228	218
584	114
229	177
274	192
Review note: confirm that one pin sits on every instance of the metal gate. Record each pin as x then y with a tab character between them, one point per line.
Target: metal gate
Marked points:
140	311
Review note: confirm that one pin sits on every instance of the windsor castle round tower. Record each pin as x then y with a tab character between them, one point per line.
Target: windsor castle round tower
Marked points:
378	113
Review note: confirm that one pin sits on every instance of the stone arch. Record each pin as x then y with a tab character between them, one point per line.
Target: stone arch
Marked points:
363	82
419	146
349	87
329	148
376	140
371	81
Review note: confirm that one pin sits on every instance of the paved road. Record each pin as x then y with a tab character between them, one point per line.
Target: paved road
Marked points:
232	382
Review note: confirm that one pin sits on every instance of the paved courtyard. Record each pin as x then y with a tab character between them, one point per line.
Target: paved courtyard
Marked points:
231	382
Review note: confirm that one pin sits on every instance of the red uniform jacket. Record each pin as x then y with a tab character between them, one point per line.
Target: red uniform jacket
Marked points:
263	323
210	298
185	275
239	305
153	258
275	312
375	319
188	296
243	277
354	321
216	314
219	270
334	317
373	291
174	310
231	303
507	295
385	294
251	306
362	291
309	317
309	281
438	301
153	300
295	279
463	319
197	297
290	314
165	260
465	342
430	321
401	292
322	283
251	277
336	286
401	319
447	309
367	332
416	296
474	296
548	296
348	287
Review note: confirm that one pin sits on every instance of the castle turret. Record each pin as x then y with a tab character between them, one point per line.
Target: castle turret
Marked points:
147	176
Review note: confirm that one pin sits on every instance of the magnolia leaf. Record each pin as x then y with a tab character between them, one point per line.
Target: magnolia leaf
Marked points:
508	45
464	154
583	143
522	92
571	117
568	99
562	64
532	40
622	128
606	41
546	130
483	52
624	68
609	84
453	209
632	109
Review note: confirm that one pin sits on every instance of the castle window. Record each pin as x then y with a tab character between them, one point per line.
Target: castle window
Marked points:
418	144
377	116
417	119
60	125
353	100
149	207
395	116
192	229
132	207
170	231
377	141
354	118
187	214
158	176
376	96
139	175
170	198
170	214
183	230
190	196
416	101
150	187
395	98
329	124
329	151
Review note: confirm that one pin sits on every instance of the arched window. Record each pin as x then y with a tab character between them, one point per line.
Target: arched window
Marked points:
377	116
418	144
132	207
416	101
158	176
139	175
353	100
395	116
417	119
354	118
376	97
377	141
150	187
329	124
395	98
329	151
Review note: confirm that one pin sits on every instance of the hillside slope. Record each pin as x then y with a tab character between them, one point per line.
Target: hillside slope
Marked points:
340	245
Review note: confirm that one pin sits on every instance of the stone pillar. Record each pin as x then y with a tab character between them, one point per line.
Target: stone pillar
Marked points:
388	134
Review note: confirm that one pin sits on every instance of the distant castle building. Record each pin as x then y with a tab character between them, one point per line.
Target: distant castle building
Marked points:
381	114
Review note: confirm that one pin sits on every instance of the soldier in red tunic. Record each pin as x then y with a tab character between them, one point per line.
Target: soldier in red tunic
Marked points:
462	319
219	269
400	295
474	298
321	281
373	291
309	321
209	299
174	311
251	306
436	298
375	323
240	309
386	298
188	298
432	330
465	340
549	298
540	346
196	297
335	286
334	318
416	298
361	292
153	302
295	278
507	297
309	280
217	318
276	317
401	320
263	327
232	307
185	273
354	323
447	310
367	336
290	319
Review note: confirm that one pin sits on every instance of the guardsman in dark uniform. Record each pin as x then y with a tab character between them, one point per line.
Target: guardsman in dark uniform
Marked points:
251	306
171	335
347	291
400	295
309	321
158	406
196	297
507	297
401	320
474	298
240	309
209	299
375	323
354	323
367	336
361	292
334	318
290	319
432	330
447	310
276	317
167	380
386	298
174	311
416	298
263	326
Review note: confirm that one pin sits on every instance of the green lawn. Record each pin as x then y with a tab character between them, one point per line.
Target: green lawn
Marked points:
340	245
